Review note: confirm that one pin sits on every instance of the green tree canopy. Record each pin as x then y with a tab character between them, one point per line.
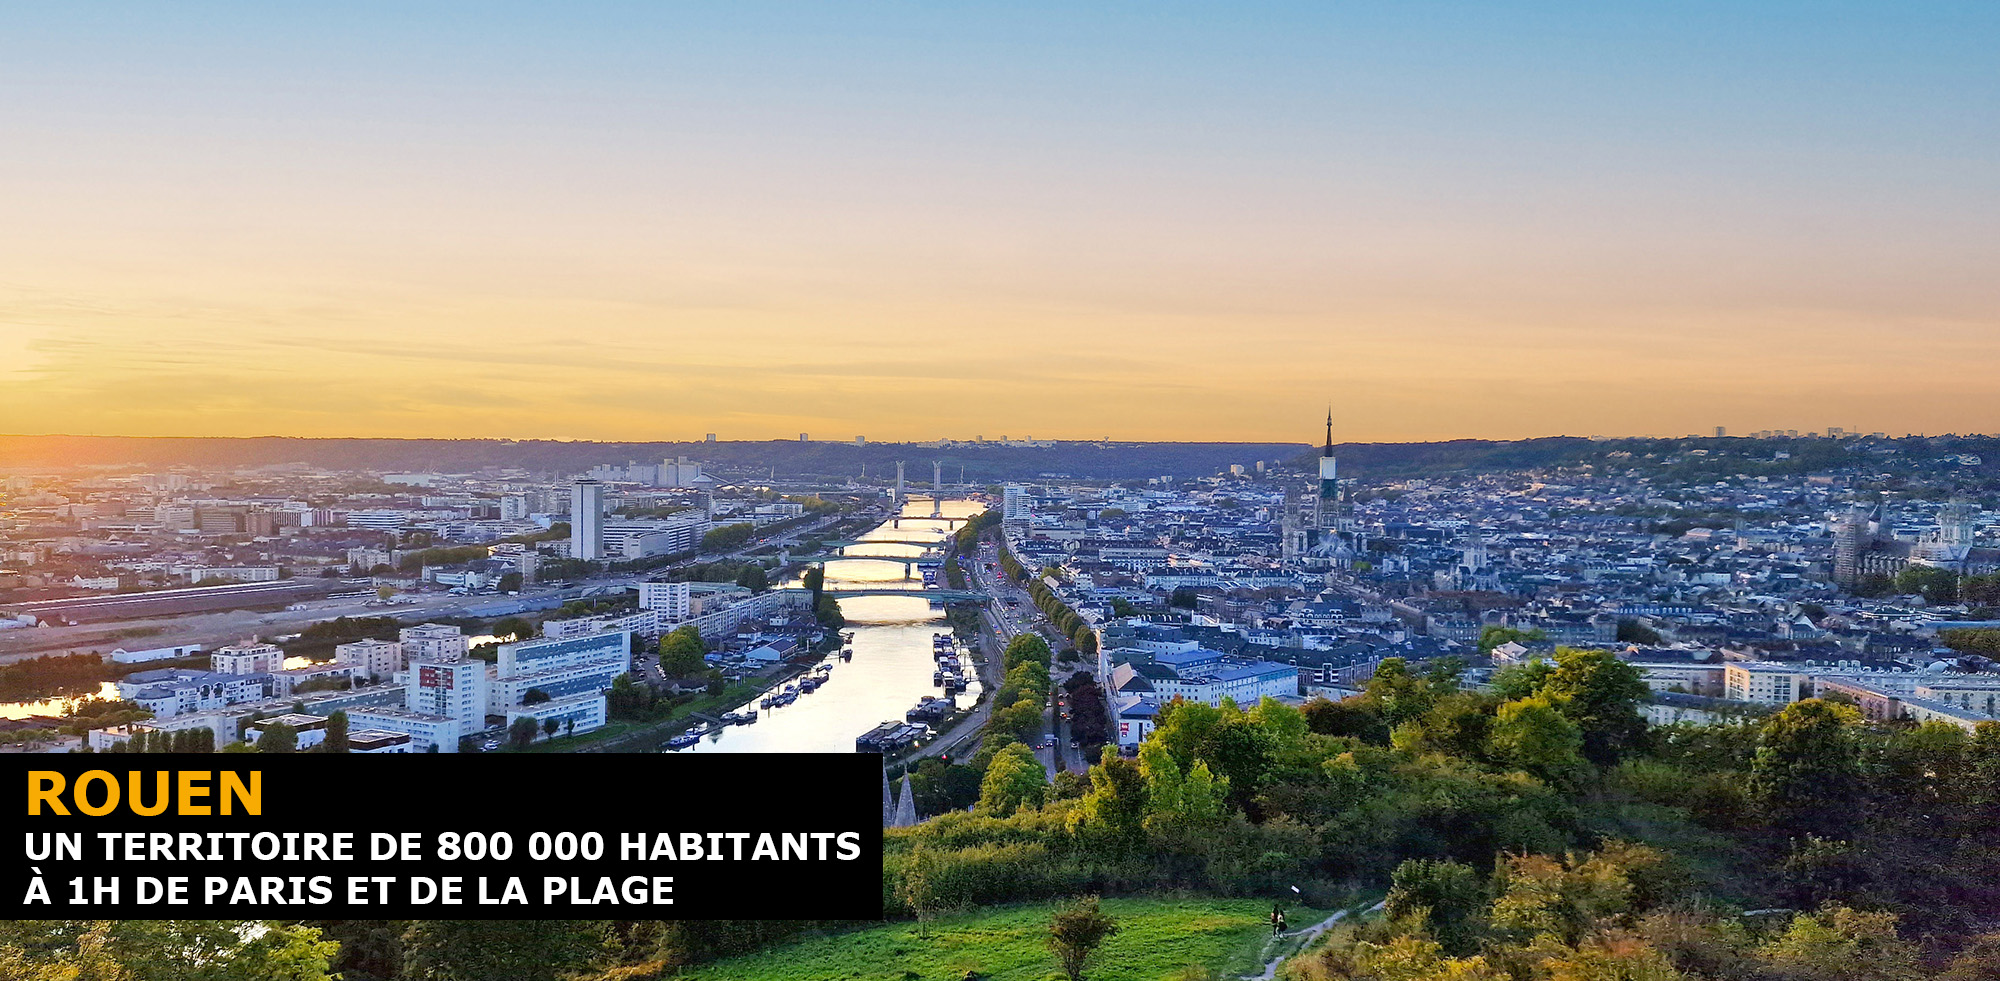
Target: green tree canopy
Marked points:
1014	779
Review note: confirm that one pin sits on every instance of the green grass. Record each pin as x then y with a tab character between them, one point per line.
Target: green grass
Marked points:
648	732
1156	938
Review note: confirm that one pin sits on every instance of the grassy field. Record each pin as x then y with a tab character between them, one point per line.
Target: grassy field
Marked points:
1156	939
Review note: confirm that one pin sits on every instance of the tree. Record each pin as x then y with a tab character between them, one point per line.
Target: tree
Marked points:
1085	640
510	582
683	652
1076	931
922	885
1842	944
1631	631
1534	736
1177	799
534	696
498	950
521	733
336	733
551	726
1447	895
1014	779
1806	775
278	737
1602	695
1115	807
1401	695
1937	586
727	537
514	628
627	699
1979	961
826	610
163	950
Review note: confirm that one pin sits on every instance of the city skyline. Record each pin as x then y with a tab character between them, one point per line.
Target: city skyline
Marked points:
625	222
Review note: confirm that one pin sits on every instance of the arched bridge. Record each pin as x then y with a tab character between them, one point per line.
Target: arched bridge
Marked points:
939	595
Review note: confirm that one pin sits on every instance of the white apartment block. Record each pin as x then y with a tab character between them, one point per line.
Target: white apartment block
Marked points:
431	642
374	659
673	601
564	670
644	623
247	658
454	687
1781	683
286	681
311	729
577	713
424	730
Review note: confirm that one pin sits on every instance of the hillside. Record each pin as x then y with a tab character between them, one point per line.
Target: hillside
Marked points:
1155	939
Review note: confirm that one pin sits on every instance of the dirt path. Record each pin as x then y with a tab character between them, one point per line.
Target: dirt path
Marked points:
1271	966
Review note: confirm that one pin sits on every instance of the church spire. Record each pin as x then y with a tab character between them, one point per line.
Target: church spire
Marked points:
1329	432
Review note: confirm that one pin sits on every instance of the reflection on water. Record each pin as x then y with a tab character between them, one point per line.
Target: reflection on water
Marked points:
53	706
892	665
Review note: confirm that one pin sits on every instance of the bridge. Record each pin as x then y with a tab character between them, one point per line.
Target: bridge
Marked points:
844	542
929	560
937	595
896	521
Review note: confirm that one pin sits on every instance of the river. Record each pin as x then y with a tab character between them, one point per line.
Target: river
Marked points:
892	663
108	690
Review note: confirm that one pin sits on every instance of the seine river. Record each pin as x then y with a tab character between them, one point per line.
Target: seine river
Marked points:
890	671
892	662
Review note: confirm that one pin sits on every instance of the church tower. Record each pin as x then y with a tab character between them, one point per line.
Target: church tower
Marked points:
1326	509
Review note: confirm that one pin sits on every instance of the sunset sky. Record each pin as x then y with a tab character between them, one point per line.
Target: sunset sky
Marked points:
1142	220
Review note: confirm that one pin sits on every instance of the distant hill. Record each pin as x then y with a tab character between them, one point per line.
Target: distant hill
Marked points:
1972	460
982	463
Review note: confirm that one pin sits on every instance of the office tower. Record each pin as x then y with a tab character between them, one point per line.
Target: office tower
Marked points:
586	520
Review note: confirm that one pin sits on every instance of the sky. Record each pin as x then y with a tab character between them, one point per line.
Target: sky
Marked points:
905	221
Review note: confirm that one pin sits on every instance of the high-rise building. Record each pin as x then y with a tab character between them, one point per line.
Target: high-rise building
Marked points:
513	507
1721	431
673	600
586	520
451	687
1014	503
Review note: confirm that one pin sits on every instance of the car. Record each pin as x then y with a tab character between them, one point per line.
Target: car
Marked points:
490	744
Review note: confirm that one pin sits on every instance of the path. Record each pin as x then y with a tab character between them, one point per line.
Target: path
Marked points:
1309	933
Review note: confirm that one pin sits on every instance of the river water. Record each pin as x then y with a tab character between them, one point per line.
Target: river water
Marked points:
108	691
892	663
891	669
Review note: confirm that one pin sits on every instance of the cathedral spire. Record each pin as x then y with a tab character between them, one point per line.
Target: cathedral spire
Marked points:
1329	431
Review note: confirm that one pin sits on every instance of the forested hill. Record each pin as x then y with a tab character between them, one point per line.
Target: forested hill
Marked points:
981	462
1972	458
